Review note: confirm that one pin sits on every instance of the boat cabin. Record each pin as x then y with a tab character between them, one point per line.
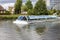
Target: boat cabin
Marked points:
22	18
41	17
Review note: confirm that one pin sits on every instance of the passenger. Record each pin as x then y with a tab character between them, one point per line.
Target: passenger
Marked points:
24	18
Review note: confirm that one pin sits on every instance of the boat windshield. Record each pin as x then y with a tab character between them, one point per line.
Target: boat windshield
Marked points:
22	18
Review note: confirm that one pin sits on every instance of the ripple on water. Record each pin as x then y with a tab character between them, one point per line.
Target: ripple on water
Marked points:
9	31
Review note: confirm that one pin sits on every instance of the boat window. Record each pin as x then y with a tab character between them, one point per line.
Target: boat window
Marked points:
22	18
41	17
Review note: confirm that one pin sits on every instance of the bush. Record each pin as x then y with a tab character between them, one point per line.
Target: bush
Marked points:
30	12
6	13
8	17
58	12
51	12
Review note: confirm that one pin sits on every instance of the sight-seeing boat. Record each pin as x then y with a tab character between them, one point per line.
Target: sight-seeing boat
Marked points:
25	20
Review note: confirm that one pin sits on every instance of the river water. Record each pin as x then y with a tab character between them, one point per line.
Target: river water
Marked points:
9	31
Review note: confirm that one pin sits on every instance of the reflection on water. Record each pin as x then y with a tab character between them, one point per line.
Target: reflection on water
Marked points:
53	32
40	30
37	31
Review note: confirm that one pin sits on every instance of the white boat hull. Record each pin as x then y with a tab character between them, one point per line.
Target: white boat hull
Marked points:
25	23
20	23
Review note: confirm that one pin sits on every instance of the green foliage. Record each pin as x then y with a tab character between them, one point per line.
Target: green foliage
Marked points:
18	5
30	12
6	13
24	8
40	8
58	12
51	12
29	5
8	17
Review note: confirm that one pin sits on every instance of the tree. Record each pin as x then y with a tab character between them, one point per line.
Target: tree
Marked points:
24	8
29	5
40	8
18	5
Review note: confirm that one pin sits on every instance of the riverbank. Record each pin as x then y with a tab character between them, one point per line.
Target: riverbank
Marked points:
8	17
